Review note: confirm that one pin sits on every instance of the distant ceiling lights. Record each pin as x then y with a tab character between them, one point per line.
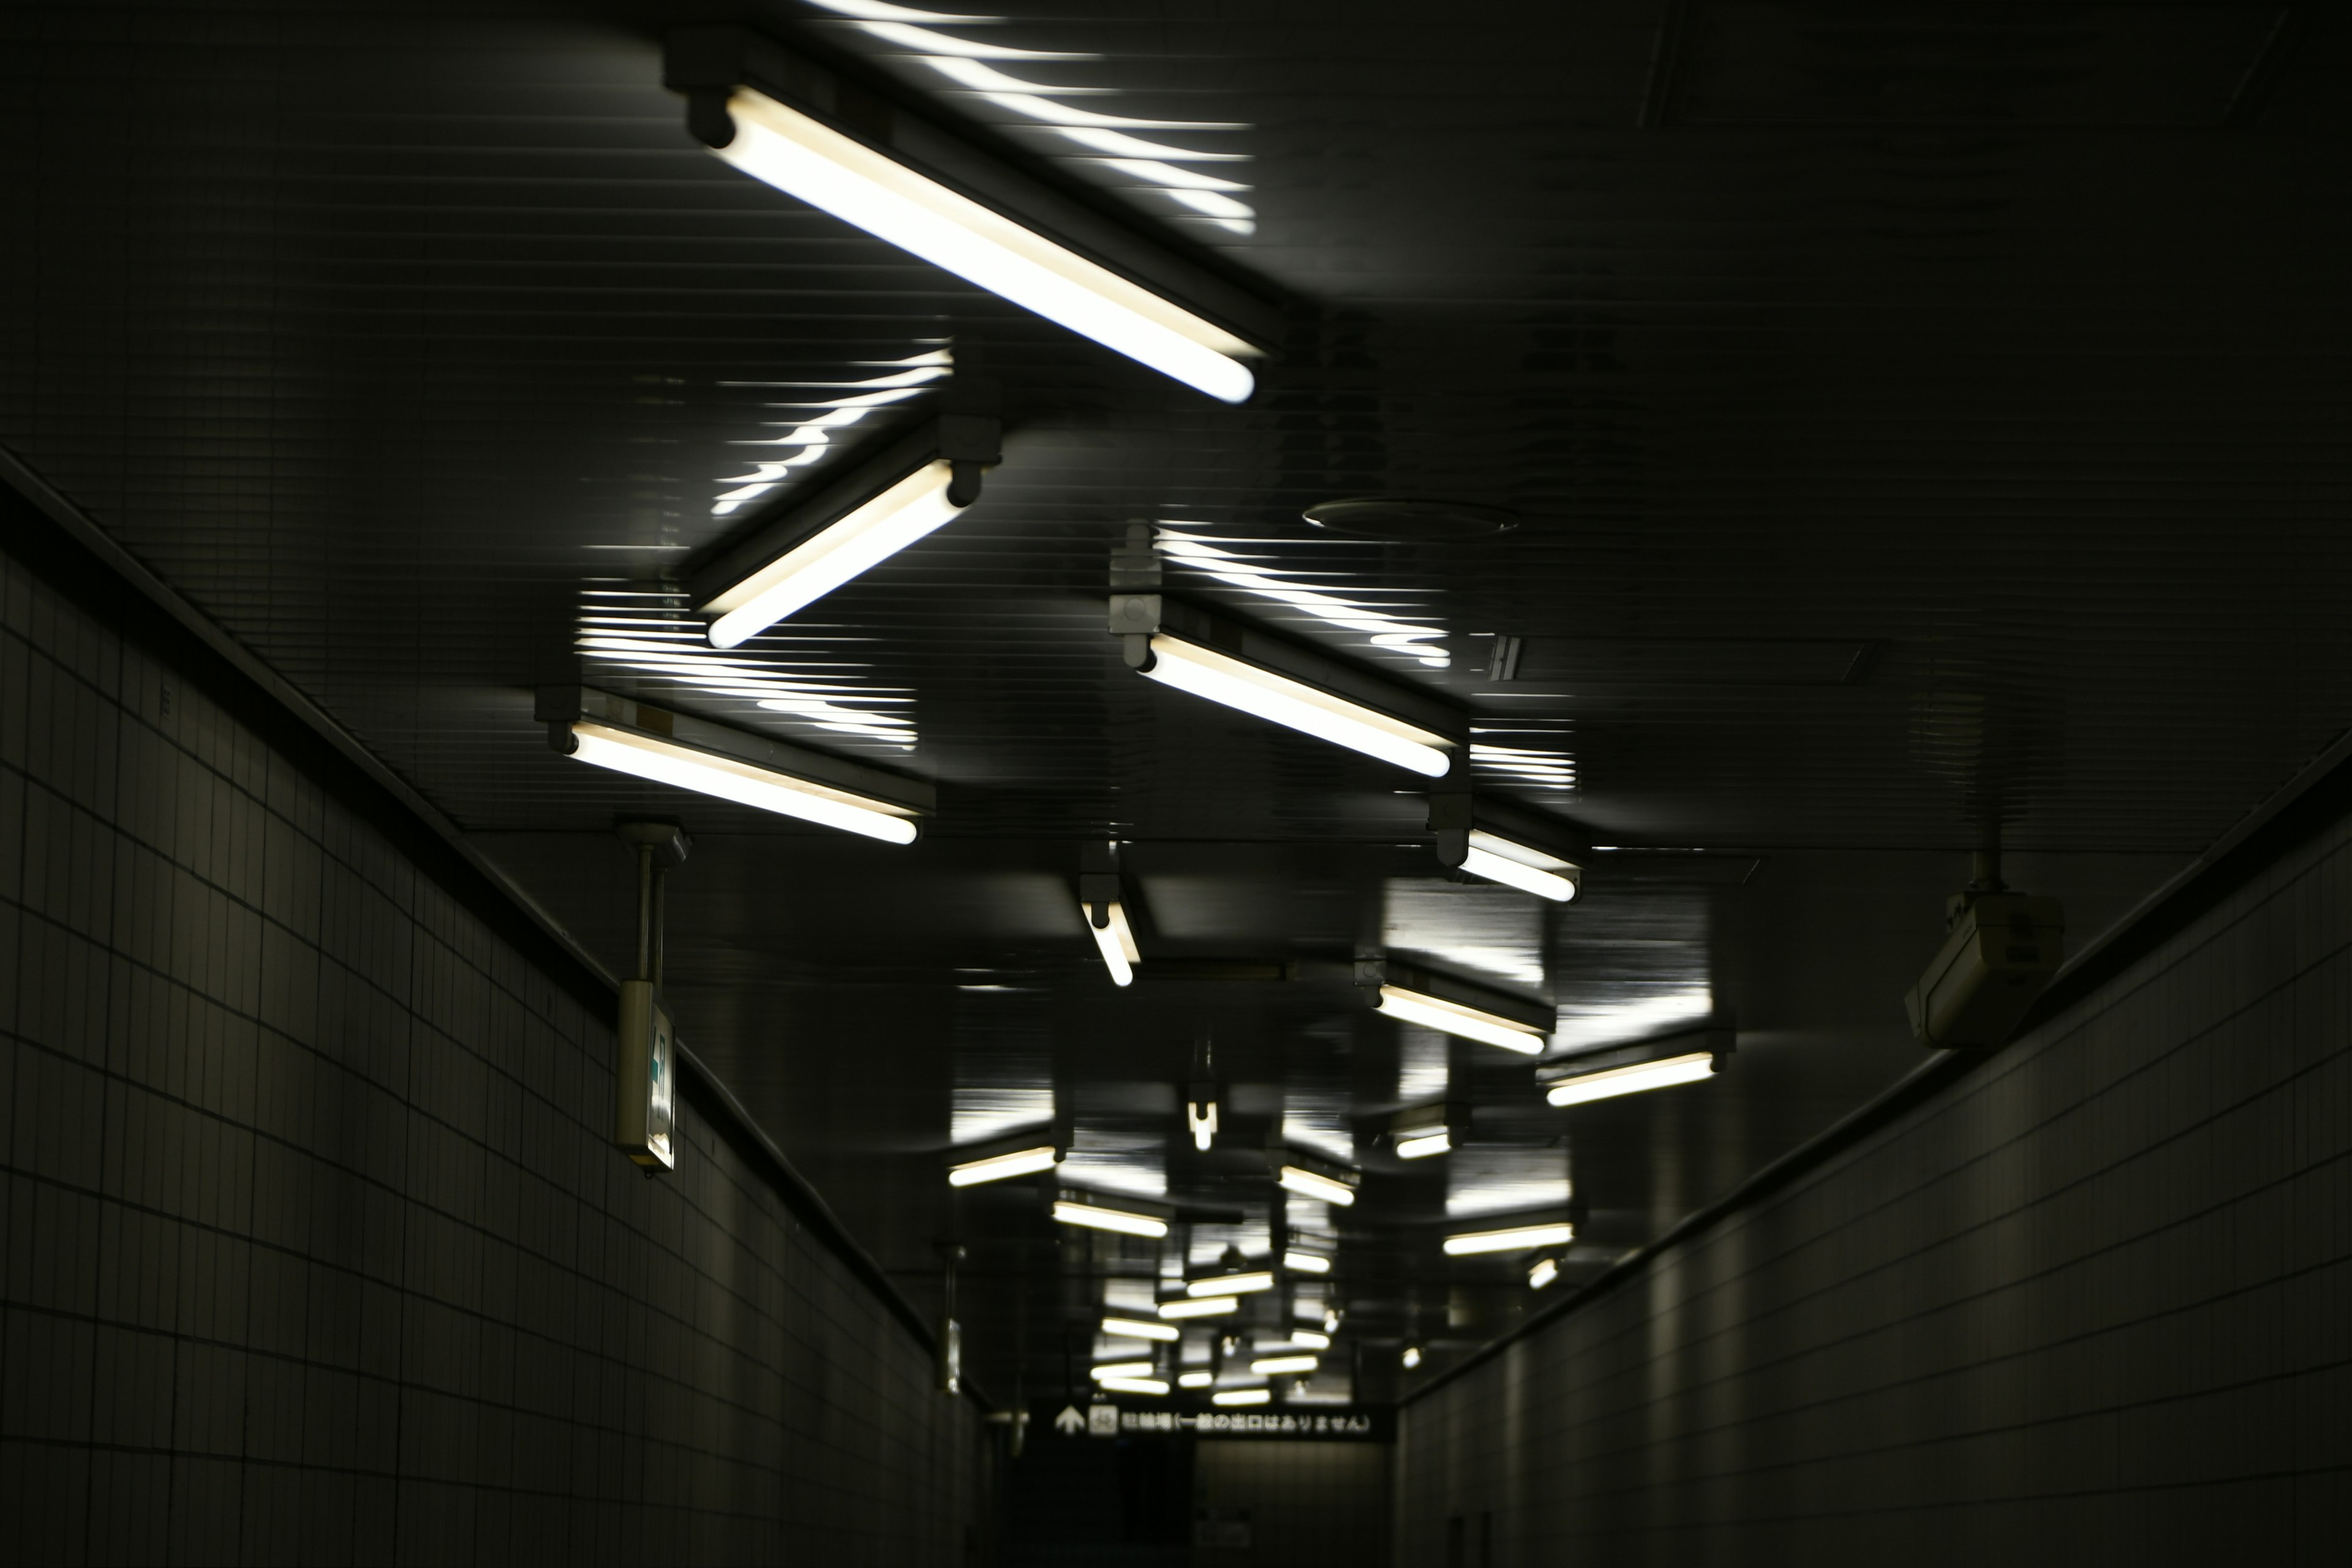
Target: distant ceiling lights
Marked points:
717	760
1542	1272
1002	1167
873	511
1300	1261
871	183
1128	1216
1151	1385
1123	1369
1136	1329
1503	843
1422	1130
1242	1396
1688	1058
1209	1307
1201	1120
1310	1339
1515	1238
1231	1284
1227	662
1195	1379
1332	1188
1412	994
1411	1357
1279	1365
1102	903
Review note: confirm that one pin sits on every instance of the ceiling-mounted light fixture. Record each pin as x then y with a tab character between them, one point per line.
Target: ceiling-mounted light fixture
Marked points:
1242	1396
1003	1167
1542	1272
869	513
1503	843
1102	902
1201	1097
788	123
1690	1057
1123	1369
1511	1238
1300	1260
1210	656
1312	1176
1136	1329
1209	1307
1195	1379
1411	1357
1128	1216
1231	1284
1310	1339
1277	1365
1422	1130
717	760
1412	994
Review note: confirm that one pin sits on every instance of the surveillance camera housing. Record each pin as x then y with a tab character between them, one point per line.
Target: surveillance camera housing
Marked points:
2002	950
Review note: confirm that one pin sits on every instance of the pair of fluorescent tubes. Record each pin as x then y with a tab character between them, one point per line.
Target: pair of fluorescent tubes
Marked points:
1461	1019
1113	939
1230	1284
1516	1238
1520	866
1102	1216
1003	1167
1279	699
1610	1082
1313	1184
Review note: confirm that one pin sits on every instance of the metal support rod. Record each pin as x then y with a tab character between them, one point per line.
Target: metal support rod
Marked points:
644	911
661	883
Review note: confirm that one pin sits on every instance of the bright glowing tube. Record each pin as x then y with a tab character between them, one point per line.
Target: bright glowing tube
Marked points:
1136	1329
1411	1357
1281	1364
1116	942
1242	1396
915	506
1213	1307
1516	1239
1195	1379
1120	1220
802	158
1200	1119
1454	1018
1423	1147
1229	1284
1499	860
649	757
1122	1369
1134	1385
1279	699
998	1167
1307	1263
1310	1339
1308	1184
1633	1079
1544	1272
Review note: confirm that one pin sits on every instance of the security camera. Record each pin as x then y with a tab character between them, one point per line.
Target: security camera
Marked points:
2000	950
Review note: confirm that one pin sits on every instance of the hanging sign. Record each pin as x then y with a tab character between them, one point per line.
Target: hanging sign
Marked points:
1279	1422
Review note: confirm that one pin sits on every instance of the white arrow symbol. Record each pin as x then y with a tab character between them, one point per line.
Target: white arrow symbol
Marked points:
1069	1423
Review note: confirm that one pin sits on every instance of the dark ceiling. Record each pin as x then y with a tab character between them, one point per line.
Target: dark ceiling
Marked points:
1928	423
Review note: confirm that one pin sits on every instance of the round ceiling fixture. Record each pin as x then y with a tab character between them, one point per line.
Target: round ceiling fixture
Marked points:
1410	518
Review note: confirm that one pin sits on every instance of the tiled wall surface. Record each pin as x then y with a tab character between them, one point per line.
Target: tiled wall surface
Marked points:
314	1247
2089	1306
1311	1505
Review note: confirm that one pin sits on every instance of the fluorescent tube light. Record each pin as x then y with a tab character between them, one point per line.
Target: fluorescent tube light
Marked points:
1411	1357
1212	1306
1274	1366
1122	1369
1331	1320
1499	860
1195	1379
1516	1238
1136	1329
999	1167
1544	1272
1242	1396
1134	1386
1612	1081
1423	1147
1308	1184
1201	1120
1305	1262
1310	1339
682	767
1230	1284
1097	1217
1456	1018
914	507
1115	939
1279	699
804	158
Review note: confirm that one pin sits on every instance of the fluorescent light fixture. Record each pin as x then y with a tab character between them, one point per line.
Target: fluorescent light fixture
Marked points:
1201	1120
719	760
1423	1147
1242	1396
1113	939
1331	1320
1102	1216
1230	1284
914	507
1411	1357
1275	1366
1136	1329
1210	1307
804	158
1516	1238
1002	1167
1499	860
1309	1184
1300	1262
1310	1339
1122	1369
1458	1019
1612	1081
1134	1385
1279	699
1543	1272
1195	1379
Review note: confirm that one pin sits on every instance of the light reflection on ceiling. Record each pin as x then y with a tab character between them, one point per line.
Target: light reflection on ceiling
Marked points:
812	434
1332	607
1474	926
1621	1020
1109	149
1483	1181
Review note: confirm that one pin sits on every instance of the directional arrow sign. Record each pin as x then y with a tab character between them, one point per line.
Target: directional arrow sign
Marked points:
1069	1423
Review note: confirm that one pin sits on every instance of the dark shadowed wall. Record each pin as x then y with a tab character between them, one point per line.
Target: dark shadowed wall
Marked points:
2088	1304
315	1246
